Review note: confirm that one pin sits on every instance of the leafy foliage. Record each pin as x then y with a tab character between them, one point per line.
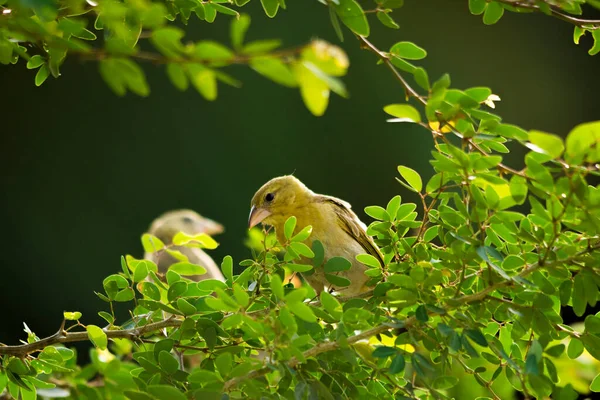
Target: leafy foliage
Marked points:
474	278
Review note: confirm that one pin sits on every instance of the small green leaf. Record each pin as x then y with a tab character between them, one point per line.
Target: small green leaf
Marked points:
289	226
336	264
368	260
187	269
445	382
377	212
384	351
595	385
167	362
337	281
477	7
277	286
386	20
97	336
493	13
224	364
227	267
165	392
42	75
238	30
546	143
331	305
35	62
302	311
72	316
408	50
403	113
270	7
352	15
397	365
412	177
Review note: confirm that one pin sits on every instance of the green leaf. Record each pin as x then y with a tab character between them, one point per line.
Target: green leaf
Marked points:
224	10
578	32
187	269
331	305
546	143
299	267
165	392
71	316
302	249
210	50
398	364
274	69
35	62
167	362
176	74
97	336
352	15
445	382
204	80
403	113
241	296
384	351
408	50
336	264
377	212
227	267
493	13
167	40
386	20
277	286
583	143
595	385
315	92
335	23
591	344
596	47
238	30
302	311
289	226
368	260
319	253
224	364
575	348
337	281
270	7
422	78
476	336
412	177
107	317
477	7
42	75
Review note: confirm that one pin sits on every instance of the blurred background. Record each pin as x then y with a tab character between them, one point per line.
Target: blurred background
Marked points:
83	172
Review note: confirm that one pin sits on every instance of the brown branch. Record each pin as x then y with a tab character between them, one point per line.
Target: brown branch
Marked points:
67	337
582	23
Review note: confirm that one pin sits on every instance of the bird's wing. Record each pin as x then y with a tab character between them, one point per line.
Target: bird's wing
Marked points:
354	226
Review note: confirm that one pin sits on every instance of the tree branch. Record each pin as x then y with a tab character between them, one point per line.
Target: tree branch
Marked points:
66	337
582	23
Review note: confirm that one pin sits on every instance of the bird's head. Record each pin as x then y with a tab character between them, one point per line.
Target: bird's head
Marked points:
276	200
170	223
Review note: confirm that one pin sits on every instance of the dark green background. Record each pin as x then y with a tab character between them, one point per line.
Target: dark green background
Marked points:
84	172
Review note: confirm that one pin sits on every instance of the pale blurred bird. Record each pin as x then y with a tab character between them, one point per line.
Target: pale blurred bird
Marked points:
333	223
190	222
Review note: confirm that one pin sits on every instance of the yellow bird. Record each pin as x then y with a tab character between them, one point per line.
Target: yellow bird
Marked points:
190	222
333	223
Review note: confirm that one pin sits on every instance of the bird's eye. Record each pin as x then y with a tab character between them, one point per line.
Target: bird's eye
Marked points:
269	197
187	220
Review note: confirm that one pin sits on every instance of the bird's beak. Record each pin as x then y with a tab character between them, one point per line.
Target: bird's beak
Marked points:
257	215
